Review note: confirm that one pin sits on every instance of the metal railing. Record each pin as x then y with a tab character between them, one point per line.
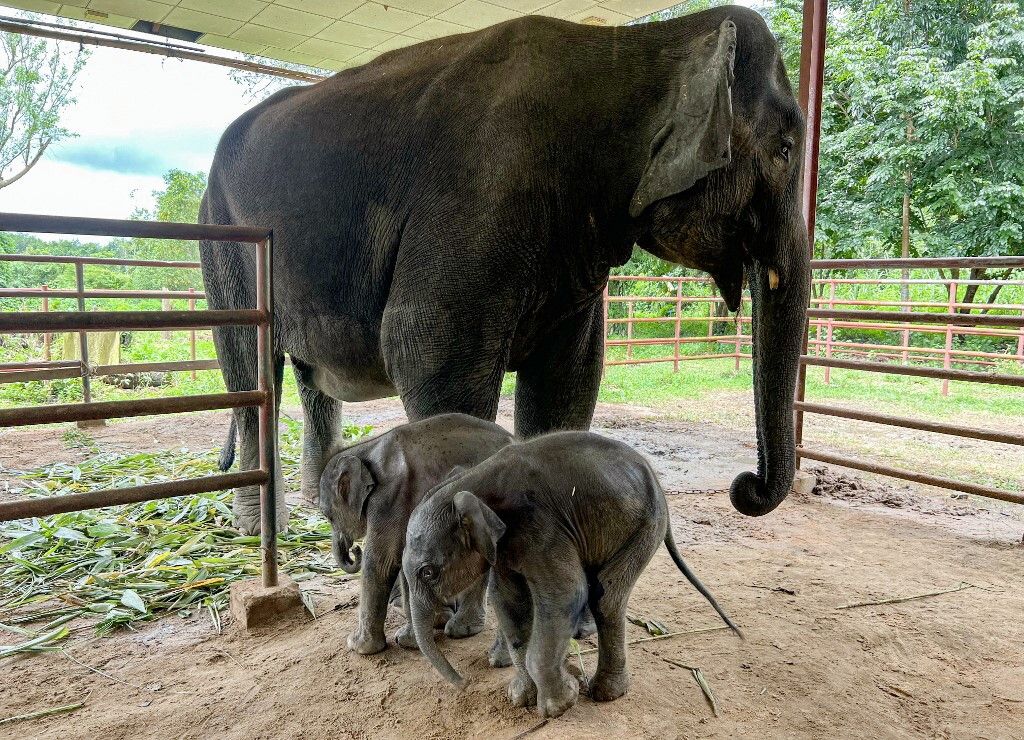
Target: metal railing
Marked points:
905	321
49	369
82	321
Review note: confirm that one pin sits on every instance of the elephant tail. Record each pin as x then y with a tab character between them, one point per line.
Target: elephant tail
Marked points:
670	545
227	454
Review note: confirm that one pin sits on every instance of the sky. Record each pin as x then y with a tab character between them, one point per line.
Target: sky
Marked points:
136	116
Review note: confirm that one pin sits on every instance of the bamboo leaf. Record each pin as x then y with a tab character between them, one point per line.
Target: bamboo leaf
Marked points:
131	599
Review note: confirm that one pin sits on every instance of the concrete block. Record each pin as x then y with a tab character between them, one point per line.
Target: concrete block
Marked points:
254	606
803	483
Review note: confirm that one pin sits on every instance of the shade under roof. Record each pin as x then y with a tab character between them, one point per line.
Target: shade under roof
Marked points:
331	34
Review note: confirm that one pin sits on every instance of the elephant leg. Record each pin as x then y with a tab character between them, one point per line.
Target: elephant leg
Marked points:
239	370
322	424
556	388
469	615
609	593
380	570
555	606
513	606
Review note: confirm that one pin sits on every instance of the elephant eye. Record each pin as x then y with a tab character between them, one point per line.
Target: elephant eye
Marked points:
427	573
786	149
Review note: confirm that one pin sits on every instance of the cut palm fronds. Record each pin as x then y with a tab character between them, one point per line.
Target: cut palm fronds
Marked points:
118	566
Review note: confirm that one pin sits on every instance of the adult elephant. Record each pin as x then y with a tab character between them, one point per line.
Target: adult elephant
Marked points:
451	211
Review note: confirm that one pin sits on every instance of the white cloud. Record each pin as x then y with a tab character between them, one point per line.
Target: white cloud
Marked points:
136	115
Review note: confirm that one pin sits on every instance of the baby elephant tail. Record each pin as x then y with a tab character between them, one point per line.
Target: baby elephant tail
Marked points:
670	544
227	454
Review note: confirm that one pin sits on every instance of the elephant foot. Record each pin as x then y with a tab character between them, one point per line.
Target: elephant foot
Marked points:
406	638
247	515
607	686
498	656
465	623
310	491
586	626
522	691
554	701
364	643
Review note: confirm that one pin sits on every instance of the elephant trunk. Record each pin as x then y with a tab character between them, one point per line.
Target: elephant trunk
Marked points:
779	303
349	558
423	627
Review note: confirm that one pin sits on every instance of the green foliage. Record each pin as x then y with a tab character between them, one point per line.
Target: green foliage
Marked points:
951	71
37	80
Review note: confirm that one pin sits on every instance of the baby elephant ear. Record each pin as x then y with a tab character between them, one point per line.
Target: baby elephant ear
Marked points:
346	479
481	524
695	136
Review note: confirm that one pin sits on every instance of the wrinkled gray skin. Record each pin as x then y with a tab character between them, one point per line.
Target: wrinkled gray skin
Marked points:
564	521
369	490
451	210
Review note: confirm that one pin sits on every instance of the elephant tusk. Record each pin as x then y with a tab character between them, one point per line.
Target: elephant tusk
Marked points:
773	279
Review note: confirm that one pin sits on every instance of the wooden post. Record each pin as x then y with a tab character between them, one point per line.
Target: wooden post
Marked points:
629	328
46	337
83	345
165	305
192	334
946	357
679	312
828	329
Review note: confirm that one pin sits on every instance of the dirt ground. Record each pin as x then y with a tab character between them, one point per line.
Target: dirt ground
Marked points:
815	663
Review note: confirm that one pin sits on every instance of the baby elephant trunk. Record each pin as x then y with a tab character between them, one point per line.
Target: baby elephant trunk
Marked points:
423	626
349	558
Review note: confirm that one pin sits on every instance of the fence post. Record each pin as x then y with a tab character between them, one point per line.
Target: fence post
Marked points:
679	311
1020	343
604	330
739	335
46	337
192	334
906	332
828	329
83	343
629	328
946	363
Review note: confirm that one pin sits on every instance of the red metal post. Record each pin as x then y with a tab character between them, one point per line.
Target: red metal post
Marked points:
629	330
946	356
812	71
828	330
604	331
268	409
679	315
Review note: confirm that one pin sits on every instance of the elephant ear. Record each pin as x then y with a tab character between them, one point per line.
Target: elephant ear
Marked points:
481	525
346	478
695	138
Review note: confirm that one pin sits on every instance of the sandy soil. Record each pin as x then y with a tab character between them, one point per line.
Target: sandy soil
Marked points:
947	665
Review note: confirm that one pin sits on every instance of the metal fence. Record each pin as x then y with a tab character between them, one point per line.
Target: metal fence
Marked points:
909	320
49	369
681	303
83	321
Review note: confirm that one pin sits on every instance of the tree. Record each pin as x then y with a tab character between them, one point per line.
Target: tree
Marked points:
177	202
37	79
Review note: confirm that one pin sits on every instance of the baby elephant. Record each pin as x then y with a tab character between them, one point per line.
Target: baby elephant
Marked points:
565	520
370	489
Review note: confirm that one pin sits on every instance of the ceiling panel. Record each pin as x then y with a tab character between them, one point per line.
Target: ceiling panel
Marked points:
239	10
334	34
